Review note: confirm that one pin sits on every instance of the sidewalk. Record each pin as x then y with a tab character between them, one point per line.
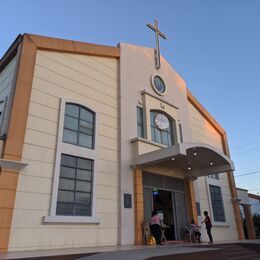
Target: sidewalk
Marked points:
119	252
155	252
178	251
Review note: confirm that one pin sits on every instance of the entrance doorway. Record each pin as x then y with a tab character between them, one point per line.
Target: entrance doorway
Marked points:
163	203
166	195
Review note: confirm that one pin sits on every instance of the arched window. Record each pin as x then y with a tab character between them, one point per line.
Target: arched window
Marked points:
79	126
73	194
163	128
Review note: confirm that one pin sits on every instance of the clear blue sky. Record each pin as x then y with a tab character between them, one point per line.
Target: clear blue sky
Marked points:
213	44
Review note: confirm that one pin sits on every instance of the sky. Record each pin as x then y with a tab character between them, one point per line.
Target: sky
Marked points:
213	44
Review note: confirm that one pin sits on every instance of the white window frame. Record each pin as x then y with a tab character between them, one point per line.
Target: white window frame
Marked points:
78	151
144	122
214	176
215	182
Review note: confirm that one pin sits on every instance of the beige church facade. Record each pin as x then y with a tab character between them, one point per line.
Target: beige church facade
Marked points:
93	138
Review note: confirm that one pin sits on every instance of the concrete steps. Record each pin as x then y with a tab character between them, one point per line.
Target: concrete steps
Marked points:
238	252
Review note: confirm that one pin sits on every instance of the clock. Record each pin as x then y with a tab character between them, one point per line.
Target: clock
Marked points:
161	121
158	85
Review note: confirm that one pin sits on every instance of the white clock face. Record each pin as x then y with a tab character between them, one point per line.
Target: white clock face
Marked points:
161	121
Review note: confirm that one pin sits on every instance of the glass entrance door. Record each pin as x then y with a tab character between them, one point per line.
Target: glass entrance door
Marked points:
171	207
166	195
163	203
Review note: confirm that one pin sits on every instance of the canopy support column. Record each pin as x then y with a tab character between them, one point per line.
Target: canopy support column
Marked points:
190	198
139	205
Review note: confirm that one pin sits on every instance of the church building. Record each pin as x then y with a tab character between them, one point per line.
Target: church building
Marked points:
94	138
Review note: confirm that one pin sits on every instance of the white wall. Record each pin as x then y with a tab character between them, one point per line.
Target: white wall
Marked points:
204	132
136	68
94	81
243	196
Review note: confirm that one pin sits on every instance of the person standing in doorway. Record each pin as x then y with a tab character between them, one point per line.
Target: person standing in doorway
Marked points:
155	226
208	224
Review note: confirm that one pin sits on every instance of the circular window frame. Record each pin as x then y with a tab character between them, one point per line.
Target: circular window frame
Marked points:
155	88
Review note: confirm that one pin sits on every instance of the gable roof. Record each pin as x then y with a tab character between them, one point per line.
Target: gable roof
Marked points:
38	42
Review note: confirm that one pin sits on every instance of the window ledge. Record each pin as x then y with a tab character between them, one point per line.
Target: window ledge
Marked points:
12	165
143	140
70	220
220	224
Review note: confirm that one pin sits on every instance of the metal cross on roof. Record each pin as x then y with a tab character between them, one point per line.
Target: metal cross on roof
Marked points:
157	34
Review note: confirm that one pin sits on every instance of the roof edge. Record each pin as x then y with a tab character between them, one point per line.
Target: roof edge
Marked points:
253	196
11	52
204	112
70	46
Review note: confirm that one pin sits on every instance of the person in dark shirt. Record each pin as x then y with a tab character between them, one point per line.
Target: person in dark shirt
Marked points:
208	224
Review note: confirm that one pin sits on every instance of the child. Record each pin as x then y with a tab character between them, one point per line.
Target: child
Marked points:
195	231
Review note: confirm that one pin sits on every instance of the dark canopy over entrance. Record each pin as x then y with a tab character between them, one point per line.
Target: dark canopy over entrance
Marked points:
197	159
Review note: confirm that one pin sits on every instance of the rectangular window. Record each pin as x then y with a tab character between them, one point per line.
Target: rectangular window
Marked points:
73	199
140	122
198	208
217	203
1	107
181	137
213	176
3	116
75	186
